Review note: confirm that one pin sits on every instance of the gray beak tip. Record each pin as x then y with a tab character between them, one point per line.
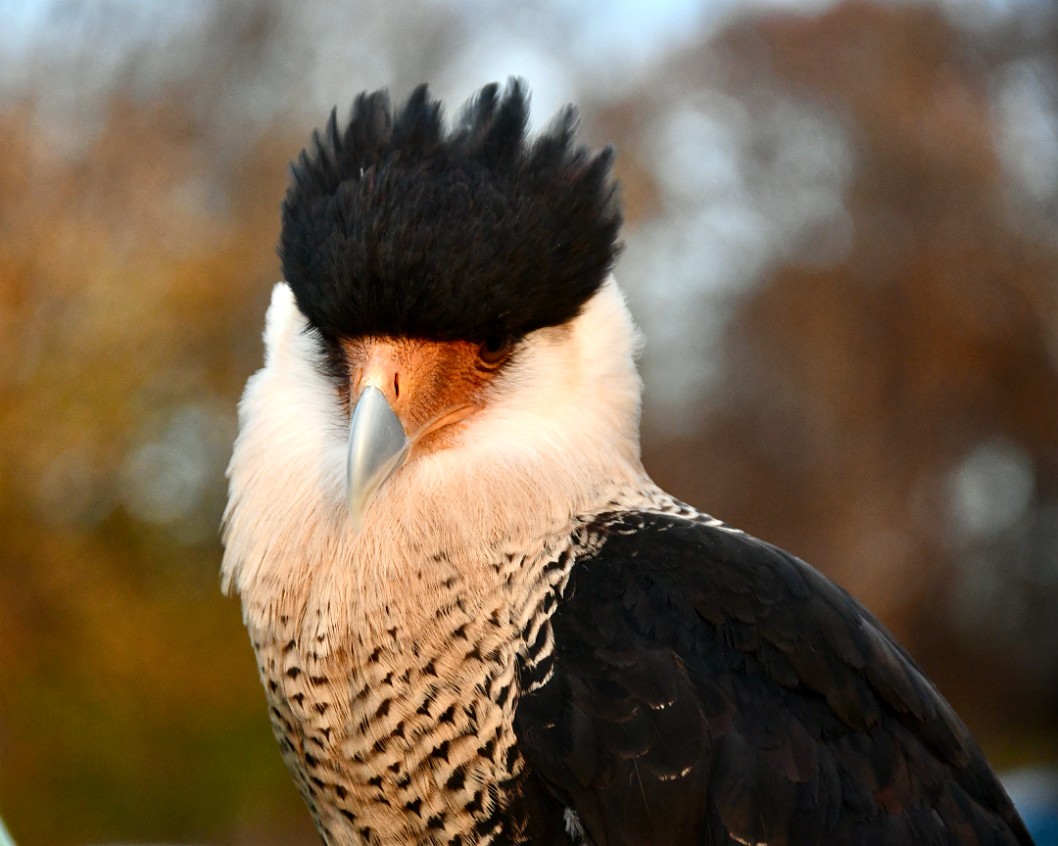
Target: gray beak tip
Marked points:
377	448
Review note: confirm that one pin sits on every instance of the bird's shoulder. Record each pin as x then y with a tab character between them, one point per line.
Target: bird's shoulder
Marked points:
707	687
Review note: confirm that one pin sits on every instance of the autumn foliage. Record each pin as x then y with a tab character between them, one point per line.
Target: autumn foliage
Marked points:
870	379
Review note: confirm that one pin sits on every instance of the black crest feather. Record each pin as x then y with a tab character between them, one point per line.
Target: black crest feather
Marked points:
396	226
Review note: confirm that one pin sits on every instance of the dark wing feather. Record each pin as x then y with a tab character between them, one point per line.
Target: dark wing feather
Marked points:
708	688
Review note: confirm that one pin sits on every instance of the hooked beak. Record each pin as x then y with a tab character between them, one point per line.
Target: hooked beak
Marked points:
378	446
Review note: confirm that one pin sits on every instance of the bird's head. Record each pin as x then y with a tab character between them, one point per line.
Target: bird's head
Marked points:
449	330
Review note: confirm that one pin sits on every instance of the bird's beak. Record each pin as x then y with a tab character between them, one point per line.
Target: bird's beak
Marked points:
378	446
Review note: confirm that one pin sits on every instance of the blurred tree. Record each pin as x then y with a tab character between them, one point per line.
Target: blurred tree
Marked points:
855	389
841	247
136	264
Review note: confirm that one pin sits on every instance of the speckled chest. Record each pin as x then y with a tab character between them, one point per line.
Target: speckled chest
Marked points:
398	728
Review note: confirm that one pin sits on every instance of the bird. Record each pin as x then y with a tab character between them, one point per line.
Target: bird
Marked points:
476	618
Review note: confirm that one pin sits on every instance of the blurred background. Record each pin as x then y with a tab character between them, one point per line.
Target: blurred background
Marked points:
841	244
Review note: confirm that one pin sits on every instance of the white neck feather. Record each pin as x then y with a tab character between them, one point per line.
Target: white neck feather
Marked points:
558	437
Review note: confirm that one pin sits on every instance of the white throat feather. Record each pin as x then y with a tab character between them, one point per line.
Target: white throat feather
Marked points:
558	437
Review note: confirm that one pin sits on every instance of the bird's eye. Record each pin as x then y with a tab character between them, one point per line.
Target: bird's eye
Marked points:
493	351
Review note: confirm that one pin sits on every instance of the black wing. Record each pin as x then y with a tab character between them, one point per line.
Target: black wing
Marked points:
708	688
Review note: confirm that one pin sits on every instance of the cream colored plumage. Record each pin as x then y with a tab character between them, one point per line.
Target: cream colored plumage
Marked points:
365	641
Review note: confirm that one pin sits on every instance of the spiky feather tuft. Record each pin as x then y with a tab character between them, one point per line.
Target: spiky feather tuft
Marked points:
396	227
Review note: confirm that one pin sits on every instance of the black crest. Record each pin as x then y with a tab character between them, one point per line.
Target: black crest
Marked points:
396	227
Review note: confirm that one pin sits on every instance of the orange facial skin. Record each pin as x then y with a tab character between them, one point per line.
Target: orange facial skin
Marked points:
431	385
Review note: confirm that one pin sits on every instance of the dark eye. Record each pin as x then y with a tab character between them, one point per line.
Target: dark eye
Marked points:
493	351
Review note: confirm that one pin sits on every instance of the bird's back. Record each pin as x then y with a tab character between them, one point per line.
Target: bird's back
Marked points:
706	687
